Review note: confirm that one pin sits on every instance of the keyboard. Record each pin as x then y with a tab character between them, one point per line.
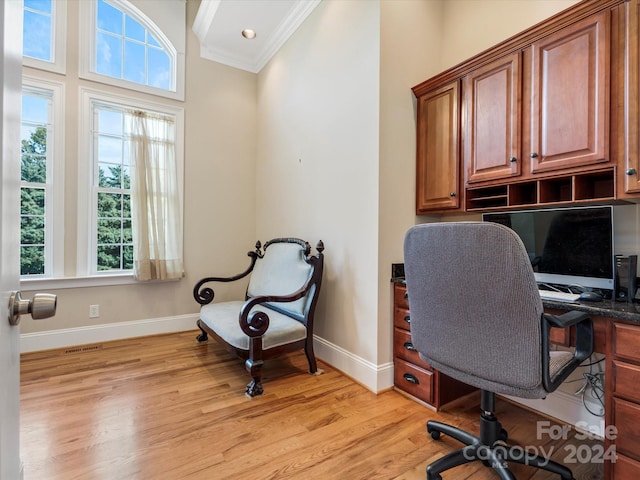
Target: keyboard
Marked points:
559	296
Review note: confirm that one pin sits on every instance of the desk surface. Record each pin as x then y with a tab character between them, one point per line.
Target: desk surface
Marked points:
605	308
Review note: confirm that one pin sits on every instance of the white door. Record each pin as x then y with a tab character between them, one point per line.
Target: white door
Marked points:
11	69
11	304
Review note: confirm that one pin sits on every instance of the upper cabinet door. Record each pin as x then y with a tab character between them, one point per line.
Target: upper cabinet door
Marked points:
438	152
630	179
491	112
569	96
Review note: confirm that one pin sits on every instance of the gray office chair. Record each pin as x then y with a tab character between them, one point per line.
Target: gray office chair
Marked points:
476	316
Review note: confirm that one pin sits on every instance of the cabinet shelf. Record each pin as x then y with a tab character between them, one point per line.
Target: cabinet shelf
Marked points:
576	188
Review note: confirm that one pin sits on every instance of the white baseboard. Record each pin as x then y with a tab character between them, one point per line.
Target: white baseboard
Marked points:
69	337
374	377
567	408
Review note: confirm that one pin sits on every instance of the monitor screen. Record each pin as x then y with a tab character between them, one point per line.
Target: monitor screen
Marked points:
568	246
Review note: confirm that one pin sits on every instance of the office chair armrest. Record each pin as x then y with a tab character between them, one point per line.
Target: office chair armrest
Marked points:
583	348
566	319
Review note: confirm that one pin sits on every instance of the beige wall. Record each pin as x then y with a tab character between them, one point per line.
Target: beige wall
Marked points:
410	47
219	201
317	170
472	26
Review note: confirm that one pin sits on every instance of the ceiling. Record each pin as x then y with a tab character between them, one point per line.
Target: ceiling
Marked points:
219	24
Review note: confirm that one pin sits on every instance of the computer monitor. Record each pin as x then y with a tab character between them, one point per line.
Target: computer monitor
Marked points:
567	246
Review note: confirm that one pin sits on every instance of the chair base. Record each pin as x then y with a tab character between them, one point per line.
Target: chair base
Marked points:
489	448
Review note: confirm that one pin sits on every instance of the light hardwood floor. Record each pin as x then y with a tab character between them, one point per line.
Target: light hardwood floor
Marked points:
165	407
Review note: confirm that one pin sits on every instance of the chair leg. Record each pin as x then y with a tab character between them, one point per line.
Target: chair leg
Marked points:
202	337
519	455
436	428
451	460
469	454
254	368
311	357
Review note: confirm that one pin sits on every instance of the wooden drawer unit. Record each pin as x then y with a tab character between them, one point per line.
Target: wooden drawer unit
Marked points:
401	318
625	418
414	380
627	381
624	400
400	297
626	341
412	374
403	348
625	468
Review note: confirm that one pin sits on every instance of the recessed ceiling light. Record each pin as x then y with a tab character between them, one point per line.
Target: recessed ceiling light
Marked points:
248	33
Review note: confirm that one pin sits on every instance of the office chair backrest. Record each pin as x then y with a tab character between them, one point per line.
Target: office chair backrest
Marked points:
474	303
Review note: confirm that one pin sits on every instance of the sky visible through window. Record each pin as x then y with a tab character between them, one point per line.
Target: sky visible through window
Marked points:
125	49
37	30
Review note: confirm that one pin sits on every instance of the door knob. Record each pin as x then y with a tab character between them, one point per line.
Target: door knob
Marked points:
42	305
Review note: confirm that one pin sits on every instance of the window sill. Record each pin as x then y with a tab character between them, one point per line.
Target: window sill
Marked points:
31	284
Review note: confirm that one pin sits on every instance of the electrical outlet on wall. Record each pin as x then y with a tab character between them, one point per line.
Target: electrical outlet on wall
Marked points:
94	311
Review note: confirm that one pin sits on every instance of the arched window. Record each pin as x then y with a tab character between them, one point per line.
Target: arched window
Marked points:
127	49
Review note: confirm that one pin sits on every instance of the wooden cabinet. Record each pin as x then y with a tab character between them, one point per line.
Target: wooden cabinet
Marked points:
538	114
438	150
491	128
411	373
624	381
629	173
569	96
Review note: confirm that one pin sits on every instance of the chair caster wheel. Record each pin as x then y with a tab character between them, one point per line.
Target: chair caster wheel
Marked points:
504	435
435	434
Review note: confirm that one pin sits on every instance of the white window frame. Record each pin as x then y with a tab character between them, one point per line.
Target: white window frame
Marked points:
54	187
87	203
88	49
58	38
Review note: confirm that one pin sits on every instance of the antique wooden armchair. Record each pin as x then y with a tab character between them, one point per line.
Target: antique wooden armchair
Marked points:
277	313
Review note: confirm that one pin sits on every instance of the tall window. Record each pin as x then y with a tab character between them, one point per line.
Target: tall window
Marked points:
41	175
135	198
112	183
38	30
43	34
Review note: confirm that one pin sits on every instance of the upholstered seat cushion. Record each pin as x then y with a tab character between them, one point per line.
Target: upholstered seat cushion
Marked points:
223	319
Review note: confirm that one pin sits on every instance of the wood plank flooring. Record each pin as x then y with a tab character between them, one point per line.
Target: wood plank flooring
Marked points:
165	407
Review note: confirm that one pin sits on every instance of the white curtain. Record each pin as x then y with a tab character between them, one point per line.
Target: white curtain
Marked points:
155	204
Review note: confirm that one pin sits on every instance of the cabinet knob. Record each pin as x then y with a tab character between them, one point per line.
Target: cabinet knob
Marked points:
534	155
452	194
407	318
631	171
513	159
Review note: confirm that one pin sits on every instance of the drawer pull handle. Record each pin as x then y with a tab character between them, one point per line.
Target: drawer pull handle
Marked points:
406	295
409	346
407	318
411	378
